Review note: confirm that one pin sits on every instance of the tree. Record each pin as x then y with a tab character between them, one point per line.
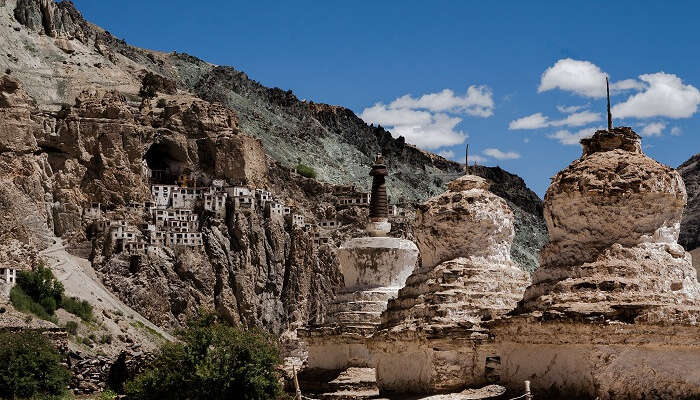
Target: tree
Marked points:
212	361
30	366
42	287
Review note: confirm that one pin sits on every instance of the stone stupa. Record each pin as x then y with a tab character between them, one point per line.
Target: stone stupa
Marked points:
614	309
431	333
374	268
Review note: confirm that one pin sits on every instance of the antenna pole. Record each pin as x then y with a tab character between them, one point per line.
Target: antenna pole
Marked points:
607	84
466	160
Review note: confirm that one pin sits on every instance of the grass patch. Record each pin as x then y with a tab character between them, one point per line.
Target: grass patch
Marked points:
71	327
22	302
306	171
142	326
77	307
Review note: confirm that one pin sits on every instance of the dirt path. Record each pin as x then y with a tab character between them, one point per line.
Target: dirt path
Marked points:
80	280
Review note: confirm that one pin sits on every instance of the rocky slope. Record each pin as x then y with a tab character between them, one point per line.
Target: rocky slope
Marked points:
75	130
690	224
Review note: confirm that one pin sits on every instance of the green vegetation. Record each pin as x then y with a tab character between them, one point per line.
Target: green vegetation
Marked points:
144	327
30	367
106	339
40	293
305	170
149	86
22	302
212	361
42	287
77	307
71	327
107	395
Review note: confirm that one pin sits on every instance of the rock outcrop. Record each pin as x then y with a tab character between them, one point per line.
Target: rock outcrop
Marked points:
690	224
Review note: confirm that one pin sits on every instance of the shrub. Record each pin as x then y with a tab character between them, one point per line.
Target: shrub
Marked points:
106	339
305	170
107	395
30	367
80	308
161	103
71	327
212	361
42	287
22	302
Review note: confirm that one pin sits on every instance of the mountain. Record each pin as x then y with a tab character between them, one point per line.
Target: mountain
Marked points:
77	130
690	224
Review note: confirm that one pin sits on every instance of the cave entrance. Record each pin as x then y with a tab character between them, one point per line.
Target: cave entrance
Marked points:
163	163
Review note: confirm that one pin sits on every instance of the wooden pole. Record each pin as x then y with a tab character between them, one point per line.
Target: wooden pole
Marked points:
296	384
466	159
528	395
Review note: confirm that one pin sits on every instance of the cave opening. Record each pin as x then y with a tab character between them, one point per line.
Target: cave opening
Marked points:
163	163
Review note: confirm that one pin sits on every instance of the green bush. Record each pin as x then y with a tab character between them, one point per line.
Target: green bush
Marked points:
71	327
22	302
106	339
42	287
305	170
30	367
212	361
80	308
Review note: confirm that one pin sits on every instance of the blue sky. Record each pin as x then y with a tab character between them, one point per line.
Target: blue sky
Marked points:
516	80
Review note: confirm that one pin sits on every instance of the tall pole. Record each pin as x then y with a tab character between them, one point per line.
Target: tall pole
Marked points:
607	85
466	160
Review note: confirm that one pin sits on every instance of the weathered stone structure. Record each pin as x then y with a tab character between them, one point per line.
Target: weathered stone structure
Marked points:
431	337
374	268
613	311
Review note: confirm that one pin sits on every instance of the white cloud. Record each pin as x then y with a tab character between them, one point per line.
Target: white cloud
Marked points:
627	84
537	121
578	119
478	159
478	101
534	121
501	155
569	138
430	121
665	95
448	154
653	129
571	109
581	77
676	131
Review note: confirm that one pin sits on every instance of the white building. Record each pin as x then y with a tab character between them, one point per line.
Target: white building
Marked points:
262	196
192	239
161	194
297	220
355	199
328	224
9	275
216	203
93	212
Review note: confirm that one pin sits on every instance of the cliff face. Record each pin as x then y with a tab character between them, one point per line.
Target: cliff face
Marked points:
75	130
690	224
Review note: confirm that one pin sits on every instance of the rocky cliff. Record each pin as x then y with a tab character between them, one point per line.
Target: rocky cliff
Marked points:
690	224
76	130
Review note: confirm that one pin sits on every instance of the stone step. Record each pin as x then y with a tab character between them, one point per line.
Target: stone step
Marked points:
362	317
357	306
377	294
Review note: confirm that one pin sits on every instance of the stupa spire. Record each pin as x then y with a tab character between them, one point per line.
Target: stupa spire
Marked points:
607	85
